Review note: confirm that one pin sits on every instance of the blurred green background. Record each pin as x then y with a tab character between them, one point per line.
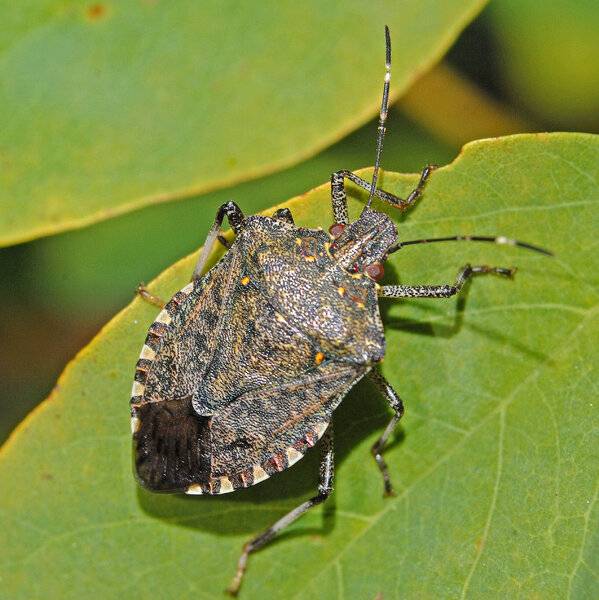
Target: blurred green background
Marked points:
520	66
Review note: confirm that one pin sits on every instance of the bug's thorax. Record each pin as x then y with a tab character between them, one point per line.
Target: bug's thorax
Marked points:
295	273
361	245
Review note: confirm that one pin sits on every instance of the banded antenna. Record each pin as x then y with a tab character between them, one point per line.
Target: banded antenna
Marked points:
382	118
500	239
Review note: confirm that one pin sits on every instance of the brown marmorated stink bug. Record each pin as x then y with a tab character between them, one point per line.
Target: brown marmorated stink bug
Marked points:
242	369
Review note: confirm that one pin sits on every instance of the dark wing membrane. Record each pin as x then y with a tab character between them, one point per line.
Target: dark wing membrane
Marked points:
171	445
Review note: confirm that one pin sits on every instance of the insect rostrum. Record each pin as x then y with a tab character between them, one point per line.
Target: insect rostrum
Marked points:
243	368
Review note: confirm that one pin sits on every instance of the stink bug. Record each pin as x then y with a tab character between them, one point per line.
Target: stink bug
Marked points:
243	368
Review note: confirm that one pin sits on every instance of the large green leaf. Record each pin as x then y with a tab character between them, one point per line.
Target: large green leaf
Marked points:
109	106
497	460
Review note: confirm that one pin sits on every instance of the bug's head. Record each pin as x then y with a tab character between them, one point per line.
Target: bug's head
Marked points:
362	246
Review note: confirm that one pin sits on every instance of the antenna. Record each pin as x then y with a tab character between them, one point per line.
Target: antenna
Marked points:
500	239
382	118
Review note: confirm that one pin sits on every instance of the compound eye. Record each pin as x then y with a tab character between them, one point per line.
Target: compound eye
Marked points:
375	271
336	229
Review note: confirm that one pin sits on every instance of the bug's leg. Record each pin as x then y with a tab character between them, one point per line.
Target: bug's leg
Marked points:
417	191
236	220
339	199
223	241
283	214
397	405
442	291
325	487
142	291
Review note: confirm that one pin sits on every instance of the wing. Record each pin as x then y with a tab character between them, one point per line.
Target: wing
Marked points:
184	337
267	430
169	438
258	434
218	339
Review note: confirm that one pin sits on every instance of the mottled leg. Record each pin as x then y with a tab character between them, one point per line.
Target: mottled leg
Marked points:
236	220
339	199
442	291
397	405
325	487
283	214
143	292
223	241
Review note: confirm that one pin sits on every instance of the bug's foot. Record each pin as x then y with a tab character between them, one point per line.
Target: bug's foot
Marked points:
233	589
389	492
382	465
143	292
508	272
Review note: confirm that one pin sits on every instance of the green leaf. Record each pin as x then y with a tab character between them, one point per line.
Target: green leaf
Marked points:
496	462
115	105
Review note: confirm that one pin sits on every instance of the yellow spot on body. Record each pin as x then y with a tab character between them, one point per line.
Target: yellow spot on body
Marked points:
298	241
187	289
245	280
310	258
137	389
293	455
360	305
135	424
259	474
194	489
341	291
163	317
225	485
147	352
319	358
320	428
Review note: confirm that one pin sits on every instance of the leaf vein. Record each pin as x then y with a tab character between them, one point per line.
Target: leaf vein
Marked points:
493	505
